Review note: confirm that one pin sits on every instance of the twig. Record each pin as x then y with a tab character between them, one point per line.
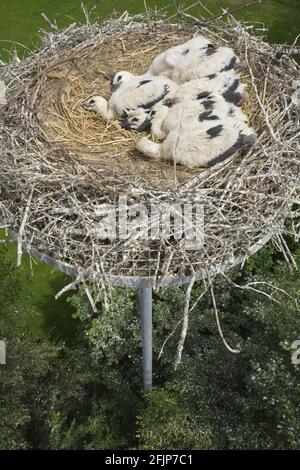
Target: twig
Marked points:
258	98
89	296
234	351
233	10
52	25
146	9
217	17
168	337
184	10
180	321
22	227
72	286
185	321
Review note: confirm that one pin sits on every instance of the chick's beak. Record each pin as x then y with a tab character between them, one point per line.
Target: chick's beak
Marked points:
145	126
85	105
110	76
125	125
115	86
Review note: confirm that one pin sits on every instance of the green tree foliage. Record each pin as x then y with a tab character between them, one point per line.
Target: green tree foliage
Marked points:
168	422
54	394
86	393
244	401
26	363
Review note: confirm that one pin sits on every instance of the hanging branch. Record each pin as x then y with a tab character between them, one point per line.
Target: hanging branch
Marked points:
22	227
90	298
250	286
72	286
179	322
185	320
234	351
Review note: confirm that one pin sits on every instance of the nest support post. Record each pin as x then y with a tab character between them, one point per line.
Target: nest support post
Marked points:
145	293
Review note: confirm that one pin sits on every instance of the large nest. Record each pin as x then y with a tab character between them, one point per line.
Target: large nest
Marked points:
59	162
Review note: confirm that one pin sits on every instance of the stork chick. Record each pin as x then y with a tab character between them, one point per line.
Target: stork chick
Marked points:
210	144
130	92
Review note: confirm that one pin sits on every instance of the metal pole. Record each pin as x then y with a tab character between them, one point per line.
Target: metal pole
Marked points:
146	321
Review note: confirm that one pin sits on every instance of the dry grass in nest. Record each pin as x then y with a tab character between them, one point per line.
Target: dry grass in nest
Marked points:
86	136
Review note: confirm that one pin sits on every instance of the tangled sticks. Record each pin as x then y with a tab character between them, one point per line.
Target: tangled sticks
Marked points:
60	162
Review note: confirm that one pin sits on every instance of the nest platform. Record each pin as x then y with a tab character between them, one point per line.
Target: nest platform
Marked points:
59	162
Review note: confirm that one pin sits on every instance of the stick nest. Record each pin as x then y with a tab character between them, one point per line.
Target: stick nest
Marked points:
60	162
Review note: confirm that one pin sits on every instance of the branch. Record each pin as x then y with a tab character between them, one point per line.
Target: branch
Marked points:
225	13
22	227
72	286
234	351
234	10
185	320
